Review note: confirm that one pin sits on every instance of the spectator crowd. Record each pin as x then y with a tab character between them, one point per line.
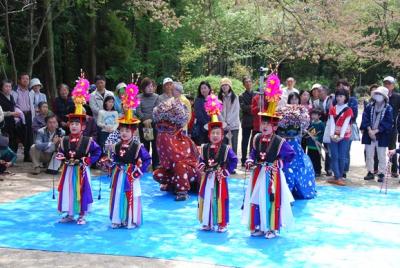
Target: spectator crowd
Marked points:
28	118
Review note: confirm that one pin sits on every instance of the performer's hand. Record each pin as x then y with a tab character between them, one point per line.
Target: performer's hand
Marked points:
136	173
86	160
201	166
249	163
60	156
391	153
225	173
8	164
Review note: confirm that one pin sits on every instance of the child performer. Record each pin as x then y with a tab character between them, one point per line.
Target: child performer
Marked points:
315	139
267	201
78	152
129	162
217	160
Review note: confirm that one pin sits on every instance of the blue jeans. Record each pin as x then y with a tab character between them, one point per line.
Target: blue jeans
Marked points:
347	165
339	155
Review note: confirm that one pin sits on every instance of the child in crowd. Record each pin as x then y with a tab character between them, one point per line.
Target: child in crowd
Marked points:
267	201
314	139
78	152
217	161
107	120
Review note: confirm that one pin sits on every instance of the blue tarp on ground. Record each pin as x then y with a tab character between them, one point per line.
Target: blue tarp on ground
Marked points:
343	226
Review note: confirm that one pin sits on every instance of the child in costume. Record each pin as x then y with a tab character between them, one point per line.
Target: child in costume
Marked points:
128	163
78	152
267	201
217	161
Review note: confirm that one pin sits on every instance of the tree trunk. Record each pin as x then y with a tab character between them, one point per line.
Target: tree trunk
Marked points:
31	51
51	86
92	40
8	37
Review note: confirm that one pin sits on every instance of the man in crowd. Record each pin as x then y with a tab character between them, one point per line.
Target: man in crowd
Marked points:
290	83
97	97
23	102
168	85
247	117
62	105
315	97
394	100
46	143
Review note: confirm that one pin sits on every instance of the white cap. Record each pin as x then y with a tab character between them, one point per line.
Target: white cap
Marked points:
381	90
167	80
389	79
316	86
35	82
120	85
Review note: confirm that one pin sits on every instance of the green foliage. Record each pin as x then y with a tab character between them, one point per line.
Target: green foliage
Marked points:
305	83
314	41
191	86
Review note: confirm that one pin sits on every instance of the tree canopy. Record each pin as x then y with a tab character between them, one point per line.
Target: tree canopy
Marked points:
313	40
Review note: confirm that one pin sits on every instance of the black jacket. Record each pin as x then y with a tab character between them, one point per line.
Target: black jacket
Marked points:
8	105
245	106
394	101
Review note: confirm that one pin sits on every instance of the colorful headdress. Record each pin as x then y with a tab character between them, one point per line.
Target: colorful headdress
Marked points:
172	113
295	116
213	107
130	101
272	94
80	96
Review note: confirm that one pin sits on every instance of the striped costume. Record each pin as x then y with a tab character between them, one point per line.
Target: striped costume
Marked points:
75	194
268	198
218	161
130	161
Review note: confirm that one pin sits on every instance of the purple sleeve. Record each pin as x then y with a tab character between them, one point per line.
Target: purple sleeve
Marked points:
286	153
145	157
252	155
94	151
231	161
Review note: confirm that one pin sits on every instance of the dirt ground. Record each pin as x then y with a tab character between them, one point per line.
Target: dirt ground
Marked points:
23	184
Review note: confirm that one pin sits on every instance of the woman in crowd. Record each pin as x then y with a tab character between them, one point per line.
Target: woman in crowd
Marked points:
353	105
10	115
230	113
305	99
39	120
148	100
294	98
339	135
119	92
199	133
377	125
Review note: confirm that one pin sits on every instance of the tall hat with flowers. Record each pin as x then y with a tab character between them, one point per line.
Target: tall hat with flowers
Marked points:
130	101
272	95
213	107
80	96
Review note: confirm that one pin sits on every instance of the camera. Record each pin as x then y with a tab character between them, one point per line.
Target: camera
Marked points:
58	132
262	70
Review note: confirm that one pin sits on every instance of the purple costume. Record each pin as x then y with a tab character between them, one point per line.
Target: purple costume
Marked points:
75	194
